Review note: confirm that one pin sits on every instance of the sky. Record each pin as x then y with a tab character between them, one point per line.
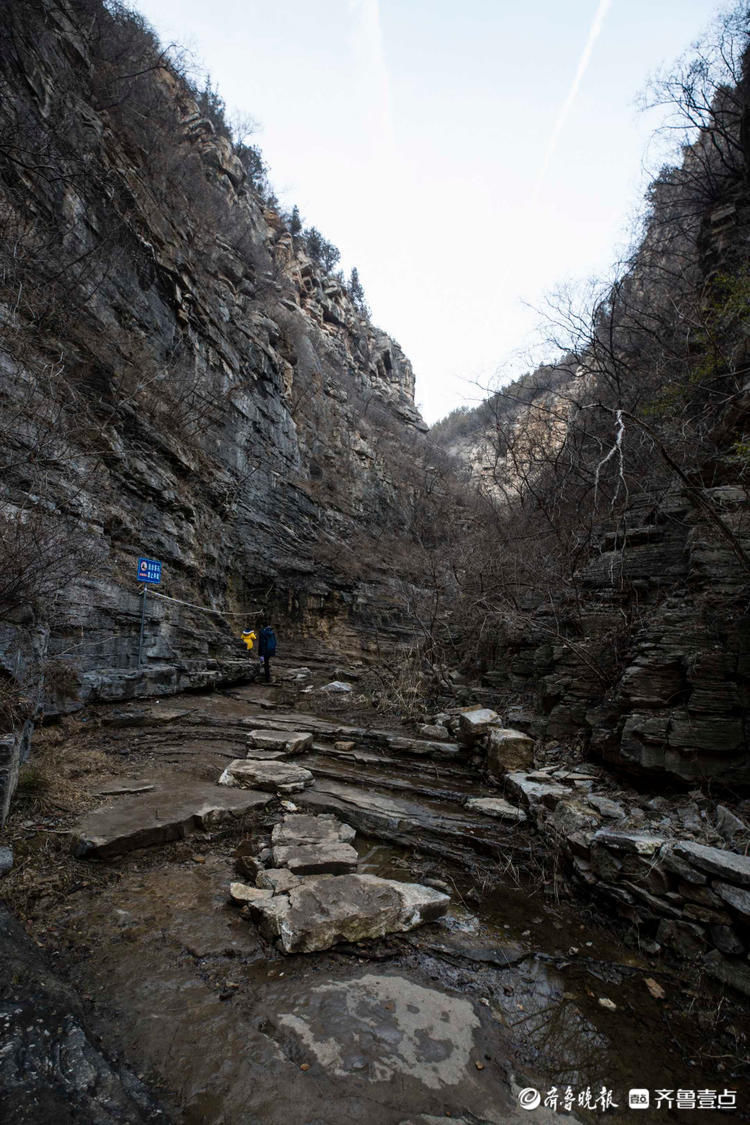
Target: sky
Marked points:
467	157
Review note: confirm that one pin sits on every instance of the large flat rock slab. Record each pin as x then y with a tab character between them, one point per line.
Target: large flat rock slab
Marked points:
401	1019
276	776
323	911
169	812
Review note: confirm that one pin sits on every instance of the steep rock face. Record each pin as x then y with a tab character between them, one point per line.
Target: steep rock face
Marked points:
665	602
177	379
640	648
500	441
646	658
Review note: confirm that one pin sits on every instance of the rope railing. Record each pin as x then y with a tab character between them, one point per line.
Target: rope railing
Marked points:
205	609
224	614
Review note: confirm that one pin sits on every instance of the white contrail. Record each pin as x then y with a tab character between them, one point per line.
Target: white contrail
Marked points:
567	105
369	44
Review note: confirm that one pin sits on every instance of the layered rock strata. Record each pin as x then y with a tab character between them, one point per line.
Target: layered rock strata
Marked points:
199	388
679	704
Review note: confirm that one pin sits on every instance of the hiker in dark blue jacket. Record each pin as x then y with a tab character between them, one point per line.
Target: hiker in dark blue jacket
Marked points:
267	649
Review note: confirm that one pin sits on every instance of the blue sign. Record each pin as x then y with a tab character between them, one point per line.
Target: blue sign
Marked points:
149	570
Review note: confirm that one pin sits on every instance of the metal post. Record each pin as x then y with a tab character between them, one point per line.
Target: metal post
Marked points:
143	622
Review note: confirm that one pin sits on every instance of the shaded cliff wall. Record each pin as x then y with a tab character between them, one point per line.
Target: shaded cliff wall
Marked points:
609	586
179	379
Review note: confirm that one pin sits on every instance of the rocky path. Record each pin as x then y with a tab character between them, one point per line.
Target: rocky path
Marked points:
509	990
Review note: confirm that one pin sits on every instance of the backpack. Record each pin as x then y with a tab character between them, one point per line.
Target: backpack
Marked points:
269	641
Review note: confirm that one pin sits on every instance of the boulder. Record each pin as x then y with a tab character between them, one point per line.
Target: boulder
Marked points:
473	723
336	687
6	860
276	777
497	807
508	750
321	912
535	793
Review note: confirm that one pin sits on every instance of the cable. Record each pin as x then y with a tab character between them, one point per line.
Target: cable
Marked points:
203	608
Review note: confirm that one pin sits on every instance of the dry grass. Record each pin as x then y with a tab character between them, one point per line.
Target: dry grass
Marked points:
64	773
59	784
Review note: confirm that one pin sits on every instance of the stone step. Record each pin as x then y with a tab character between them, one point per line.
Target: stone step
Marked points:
323	911
380	779
458	769
314	845
434	827
289	742
364	736
260	773
170	811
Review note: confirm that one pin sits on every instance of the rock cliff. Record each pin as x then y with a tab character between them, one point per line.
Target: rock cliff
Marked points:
612	596
642	651
179	378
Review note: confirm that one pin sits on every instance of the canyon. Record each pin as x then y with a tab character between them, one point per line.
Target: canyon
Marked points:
514	649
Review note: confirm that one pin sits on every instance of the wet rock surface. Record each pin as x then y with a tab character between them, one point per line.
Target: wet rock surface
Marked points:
51	1069
195	992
